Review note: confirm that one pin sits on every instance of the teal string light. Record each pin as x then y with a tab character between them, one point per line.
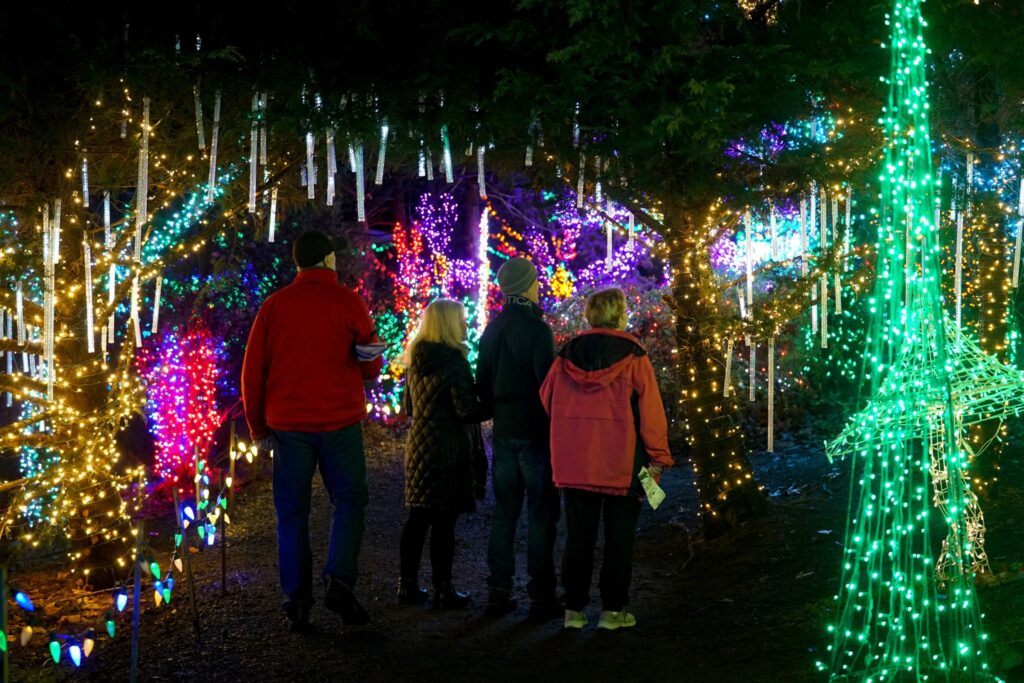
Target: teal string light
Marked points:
905	612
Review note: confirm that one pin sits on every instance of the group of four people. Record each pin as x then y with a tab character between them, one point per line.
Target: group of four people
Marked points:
583	420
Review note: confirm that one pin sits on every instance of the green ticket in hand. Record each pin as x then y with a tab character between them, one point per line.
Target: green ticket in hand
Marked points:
655	494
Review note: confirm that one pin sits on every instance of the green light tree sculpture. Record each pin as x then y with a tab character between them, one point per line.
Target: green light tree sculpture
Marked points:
905	613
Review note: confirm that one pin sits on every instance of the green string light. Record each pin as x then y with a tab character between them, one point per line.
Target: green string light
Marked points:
905	613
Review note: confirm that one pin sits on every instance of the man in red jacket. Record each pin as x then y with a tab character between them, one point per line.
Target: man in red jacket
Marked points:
302	385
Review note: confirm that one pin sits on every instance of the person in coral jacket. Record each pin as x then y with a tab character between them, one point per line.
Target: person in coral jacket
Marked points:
607	422
309	351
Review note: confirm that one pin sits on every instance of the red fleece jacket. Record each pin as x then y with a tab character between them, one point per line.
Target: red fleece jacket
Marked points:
593	436
300	371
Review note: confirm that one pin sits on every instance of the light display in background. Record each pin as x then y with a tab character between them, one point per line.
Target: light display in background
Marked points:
903	611
570	252
181	372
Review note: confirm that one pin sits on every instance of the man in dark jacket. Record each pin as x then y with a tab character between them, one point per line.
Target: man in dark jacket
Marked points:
516	352
302	386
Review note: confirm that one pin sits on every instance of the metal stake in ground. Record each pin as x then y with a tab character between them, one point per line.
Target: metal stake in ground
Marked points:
140	531
223	548
3	621
187	557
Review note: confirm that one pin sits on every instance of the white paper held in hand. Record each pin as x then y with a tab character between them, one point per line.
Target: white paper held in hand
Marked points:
369	352
655	494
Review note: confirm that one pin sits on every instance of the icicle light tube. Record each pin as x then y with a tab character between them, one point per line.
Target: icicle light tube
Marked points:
142	185
215	139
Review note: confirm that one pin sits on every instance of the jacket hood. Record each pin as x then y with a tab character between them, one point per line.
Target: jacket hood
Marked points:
599	357
429	357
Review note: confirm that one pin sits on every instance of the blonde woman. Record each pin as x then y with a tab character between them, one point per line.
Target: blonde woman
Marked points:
445	467
607	422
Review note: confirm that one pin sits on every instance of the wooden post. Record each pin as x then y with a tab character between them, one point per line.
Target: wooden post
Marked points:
3	621
187	558
140	531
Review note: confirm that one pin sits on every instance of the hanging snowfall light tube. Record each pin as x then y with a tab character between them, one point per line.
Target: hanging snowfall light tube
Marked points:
9	334
958	267
310	167
263	129
836	271
56	230
90	334
19	310
108	244
85	179
48	306
272	221
481	174
580	183
360	185
727	383
142	185
379	179
332	166
156	302
1020	229
446	156
848	244
199	118
254	145
212	181
749	257
136	327
752	371
822	246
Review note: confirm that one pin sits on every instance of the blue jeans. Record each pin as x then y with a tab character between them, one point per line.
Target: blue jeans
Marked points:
342	462
523	467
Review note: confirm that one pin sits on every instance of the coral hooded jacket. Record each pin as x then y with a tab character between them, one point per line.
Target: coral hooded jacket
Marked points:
602	396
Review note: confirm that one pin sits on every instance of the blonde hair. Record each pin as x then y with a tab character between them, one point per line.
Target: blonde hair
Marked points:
443	322
606	308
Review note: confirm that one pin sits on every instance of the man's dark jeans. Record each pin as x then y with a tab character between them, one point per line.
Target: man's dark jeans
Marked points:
583	512
342	462
523	467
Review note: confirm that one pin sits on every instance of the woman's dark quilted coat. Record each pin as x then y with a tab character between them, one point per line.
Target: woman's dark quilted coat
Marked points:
445	465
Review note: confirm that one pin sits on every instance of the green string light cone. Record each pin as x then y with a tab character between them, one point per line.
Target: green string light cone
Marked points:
905	612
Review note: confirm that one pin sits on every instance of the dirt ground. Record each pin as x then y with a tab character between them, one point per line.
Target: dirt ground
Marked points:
744	609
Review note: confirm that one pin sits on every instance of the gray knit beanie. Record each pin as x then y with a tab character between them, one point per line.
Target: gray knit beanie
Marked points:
516	275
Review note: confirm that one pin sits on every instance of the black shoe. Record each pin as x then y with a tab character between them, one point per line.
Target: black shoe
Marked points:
546	610
411	594
500	603
298	618
446	597
338	598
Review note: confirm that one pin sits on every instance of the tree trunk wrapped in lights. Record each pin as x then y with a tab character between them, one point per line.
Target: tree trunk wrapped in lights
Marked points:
712	423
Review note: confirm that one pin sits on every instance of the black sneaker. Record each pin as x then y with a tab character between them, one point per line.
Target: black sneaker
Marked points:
446	597
500	603
338	598
546	610
298	618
